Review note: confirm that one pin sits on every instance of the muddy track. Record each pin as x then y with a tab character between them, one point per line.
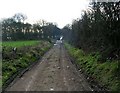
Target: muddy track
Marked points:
54	72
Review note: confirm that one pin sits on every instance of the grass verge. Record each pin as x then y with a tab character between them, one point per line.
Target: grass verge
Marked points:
106	73
15	62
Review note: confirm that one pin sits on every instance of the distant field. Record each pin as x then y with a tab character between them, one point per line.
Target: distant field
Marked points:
19	43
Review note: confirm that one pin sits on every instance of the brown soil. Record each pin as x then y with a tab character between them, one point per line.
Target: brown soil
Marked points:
54	72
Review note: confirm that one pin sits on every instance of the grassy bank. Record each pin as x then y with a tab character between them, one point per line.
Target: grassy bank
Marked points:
13	62
105	73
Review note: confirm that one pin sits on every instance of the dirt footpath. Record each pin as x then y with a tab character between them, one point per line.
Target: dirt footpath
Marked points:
54	72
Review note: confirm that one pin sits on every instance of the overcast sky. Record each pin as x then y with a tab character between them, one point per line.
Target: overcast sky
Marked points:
60	11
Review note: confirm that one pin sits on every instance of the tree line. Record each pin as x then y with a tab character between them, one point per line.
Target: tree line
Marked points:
15	28
97	30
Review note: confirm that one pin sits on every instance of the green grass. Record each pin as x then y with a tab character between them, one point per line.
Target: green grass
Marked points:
106	73
19	43
0	43
0	46
23	58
